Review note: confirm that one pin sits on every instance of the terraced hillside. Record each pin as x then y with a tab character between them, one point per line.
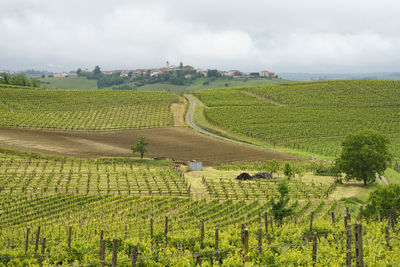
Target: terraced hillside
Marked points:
85	109
312	117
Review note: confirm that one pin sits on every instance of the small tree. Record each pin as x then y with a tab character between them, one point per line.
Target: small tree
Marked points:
288	171
96	70
364	154
279	210
274	166
140	147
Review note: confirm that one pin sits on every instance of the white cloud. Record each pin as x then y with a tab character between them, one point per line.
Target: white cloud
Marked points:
309	35
225	45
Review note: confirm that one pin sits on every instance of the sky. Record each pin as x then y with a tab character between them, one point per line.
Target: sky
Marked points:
323	36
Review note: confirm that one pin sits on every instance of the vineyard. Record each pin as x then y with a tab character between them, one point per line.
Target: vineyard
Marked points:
65	229
312	117
68	211
264	189
37	176
64	211
84	109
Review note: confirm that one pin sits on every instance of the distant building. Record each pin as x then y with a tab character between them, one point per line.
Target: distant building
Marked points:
188	76
195	165
72	75
108	72
236	73
60	75
155	73
265	73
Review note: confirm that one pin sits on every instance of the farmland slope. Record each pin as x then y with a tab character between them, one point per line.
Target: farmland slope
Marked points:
312	117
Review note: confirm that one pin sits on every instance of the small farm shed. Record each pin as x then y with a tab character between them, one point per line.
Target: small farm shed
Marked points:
195	165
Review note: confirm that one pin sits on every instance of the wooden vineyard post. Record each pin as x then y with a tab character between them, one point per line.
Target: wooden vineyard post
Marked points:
348	245
216	244
101	235
271	219
69	237
260	241
37	240
266	224
42	252
348	214
134	255
333	217
166	231
245	245
202	234
311	224
115	252
27	240
358	245
387	236
242	232
151	233
361	212
314	249
392	219
102	252
345	222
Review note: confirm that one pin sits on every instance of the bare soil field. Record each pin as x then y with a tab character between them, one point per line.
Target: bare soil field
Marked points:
178	143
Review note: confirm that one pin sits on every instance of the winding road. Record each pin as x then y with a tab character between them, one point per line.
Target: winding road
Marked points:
190	121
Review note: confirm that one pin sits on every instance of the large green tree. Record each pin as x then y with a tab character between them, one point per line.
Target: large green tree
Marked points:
6	77
364	154
140	147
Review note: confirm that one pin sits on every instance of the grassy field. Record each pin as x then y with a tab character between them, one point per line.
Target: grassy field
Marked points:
85	109
69	83
211	83
233	82
311	117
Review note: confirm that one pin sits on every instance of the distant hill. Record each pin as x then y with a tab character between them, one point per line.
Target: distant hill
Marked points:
69	83
197	84
391	76
203	83
307	116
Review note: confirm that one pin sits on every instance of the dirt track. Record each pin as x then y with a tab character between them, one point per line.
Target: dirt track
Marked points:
176	142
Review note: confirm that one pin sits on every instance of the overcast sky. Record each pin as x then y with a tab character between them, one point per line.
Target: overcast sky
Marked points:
339	36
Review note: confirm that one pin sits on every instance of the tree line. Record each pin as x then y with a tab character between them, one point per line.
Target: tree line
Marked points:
19	79
179	76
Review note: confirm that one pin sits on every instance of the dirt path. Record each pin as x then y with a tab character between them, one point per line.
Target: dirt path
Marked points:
190	121
383	180
178	110
197	188
175	142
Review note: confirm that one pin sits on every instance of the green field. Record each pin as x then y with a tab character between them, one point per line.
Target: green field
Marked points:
199	84
312	117
85	109
69	83
233	82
